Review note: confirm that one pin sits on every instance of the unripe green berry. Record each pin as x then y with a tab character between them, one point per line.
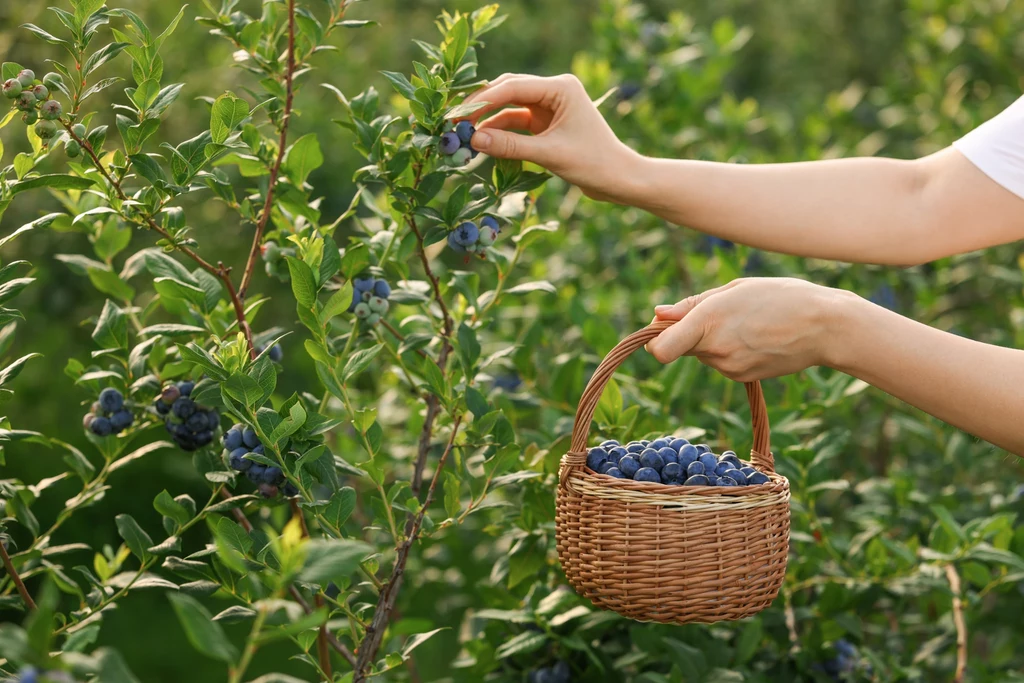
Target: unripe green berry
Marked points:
373	319
52	80
72	148
363	311
378	305
78	129
41	92
461	157
270	250
30	117
26	76
12	88
26	101
50	110
46	129
367	295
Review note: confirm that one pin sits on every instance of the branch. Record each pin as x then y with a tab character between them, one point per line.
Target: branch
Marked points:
398	335
219	271
13	573
959	622
386	601
275	171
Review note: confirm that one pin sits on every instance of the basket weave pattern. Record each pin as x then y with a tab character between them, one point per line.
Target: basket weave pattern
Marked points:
671	554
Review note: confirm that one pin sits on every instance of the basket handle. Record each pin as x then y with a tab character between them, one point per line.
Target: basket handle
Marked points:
575	459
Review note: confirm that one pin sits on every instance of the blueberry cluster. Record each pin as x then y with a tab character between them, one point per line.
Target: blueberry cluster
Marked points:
370	299
454	143
559	673
240	441
469	238
190	425
673	461
108	415
33	98
846	661
274	262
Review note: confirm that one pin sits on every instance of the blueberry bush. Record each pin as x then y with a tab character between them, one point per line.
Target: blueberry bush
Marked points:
329	356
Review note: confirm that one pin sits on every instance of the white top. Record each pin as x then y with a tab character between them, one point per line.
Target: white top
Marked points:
997	147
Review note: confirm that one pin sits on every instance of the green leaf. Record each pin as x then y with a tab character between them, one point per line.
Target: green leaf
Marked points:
523	643
332	559
170	330
303	284
469	349
303	157
136	539
194	353
228	111
289	425
203	633
359	360
176	289
147	166
111	328
451	494
165	505
337	304
108	282
243	389
235	614
456	43
54	181
23	163
528	287
401	84
340	507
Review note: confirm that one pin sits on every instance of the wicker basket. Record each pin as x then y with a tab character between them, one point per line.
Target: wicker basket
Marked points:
671	554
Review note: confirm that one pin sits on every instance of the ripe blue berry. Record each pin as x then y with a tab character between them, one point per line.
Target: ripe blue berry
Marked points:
111	400
161	407
677	444
659	443
616	453
609	444
237	460
249	437
687	454
634	447
454	245
712	480
614	472
647	474
747	471
255	472
101	426
673	473
736	476
186	387
382	289
233	437
183	408
722	467
364	284
703	448
467	233
276	353
290	490
561	672
605	466
628	465
258	450
490	222
650	458
668	455
197	422
595	457
696	480
204	437
694	468
727	481
449	143
122	420
464	130
170	394
28	674
709	461
273	475
758	478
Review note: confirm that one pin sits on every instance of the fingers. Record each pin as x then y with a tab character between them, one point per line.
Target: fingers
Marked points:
517	90
678	310
509	119
678	340
504	145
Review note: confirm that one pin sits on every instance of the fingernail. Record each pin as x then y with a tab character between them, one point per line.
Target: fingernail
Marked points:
481	140
662	308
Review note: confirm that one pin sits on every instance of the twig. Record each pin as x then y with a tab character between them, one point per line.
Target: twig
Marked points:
386	602
794	637
398	335
13	573
959	622
275	171
321	639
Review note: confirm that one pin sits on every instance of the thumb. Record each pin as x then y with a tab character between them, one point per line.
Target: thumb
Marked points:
680	339
505	145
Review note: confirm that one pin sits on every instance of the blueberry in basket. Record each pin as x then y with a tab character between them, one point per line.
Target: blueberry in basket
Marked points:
672	461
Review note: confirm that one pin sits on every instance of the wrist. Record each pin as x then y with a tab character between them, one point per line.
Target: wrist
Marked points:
632	177
842	318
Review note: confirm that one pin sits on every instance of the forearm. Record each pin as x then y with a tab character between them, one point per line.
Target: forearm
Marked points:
976	387
865	210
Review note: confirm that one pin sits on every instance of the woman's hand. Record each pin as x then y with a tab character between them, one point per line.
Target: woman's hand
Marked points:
752	328
569	137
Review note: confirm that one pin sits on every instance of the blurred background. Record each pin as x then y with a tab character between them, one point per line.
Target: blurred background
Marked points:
737	80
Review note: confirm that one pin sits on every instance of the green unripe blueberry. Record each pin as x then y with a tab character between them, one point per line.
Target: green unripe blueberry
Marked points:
26	101
50	110
373	319
41	92
378	305
270	250
72	148
26	76
79	130
487	237
12	88
461	157
363	310
52	80
30	117
46	129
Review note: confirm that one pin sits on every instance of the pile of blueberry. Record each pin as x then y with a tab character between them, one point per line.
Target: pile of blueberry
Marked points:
468	238
674	461
559	673
108	415
240	441
33	98
454	143
370	299
190	425
274	262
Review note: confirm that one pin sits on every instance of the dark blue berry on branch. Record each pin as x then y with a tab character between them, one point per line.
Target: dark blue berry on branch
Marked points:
111	400
101	426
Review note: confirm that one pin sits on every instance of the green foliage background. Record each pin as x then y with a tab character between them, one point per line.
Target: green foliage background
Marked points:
882	493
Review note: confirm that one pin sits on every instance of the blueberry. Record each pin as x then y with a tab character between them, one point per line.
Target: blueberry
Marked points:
490	222
378	305
46	129
687	454
449	143
722	467
634	447
651	458
26	76
183	408
49	110
629	465
237	460
673	473
258	449
758	478
460	158
249	437
170	394
709	461
747	471
111	400
28	674
454	245
363	310
186	387
290	490
617	453
29	117
726	481
712	480
161	407
488	236
696	480
87	419
645	442
101	426
595	457
668	455
273	475
72	149
122	420
276	353
26	101
382	289
736	476
373	319
364	284
52	80
197	421
732	460
608	444
659	444
41	92
614	472
845	649
703	448
255	472
560	672
267	490
466	233
647	474
677	444
204	437
605	466
232	438
464	130
12	88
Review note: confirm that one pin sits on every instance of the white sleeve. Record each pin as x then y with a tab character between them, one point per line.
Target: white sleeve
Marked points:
997	147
